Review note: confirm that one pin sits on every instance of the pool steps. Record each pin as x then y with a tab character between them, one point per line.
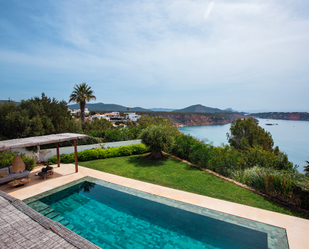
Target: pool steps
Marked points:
50	213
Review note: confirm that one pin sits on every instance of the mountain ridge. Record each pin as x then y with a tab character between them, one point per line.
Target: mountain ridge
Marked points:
199	109
114	107
107	107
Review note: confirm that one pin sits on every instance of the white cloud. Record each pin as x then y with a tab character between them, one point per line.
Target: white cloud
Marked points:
209	9
159	44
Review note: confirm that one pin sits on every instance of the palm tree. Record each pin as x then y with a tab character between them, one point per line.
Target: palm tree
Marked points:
81	94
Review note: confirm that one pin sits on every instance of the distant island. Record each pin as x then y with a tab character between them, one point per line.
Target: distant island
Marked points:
282	115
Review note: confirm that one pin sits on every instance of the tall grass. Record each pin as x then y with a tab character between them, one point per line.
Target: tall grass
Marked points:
267	181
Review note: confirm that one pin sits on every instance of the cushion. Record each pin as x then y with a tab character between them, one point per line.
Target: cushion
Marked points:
42	173
5	169
49	167
3	173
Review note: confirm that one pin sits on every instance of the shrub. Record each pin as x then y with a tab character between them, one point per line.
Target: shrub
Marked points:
29	161
200	154
94	154
183	146
225	160
256	156
219	159
7	157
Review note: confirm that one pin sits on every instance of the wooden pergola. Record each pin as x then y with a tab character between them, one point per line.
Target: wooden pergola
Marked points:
40	140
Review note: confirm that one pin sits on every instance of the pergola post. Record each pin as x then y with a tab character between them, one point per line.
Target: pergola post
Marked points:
58	157
75	152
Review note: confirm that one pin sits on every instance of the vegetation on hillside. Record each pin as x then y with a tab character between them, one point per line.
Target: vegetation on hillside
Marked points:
184	118
34	117
250	160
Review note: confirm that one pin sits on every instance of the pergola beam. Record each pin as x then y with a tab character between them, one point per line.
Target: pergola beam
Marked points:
40	140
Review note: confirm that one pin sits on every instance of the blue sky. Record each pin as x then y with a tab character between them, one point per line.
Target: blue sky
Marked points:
247	55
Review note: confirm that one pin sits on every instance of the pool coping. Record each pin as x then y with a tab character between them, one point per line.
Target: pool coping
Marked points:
295	227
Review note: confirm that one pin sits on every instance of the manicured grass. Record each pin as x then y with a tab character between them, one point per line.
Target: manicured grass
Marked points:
175	174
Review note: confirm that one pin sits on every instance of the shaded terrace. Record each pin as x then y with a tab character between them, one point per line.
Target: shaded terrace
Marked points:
40	140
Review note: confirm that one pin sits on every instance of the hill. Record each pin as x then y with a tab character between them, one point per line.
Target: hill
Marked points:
107	107
229	110
200	109
191	119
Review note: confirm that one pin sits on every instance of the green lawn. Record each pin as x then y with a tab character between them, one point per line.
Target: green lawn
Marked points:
175	174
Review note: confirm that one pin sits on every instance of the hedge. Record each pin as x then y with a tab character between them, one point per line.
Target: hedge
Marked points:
265	171
94	154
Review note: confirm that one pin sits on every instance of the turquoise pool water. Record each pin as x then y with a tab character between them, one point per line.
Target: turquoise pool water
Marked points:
112	216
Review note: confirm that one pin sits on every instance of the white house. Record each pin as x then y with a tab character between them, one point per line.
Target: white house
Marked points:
132	116
75	111
99	116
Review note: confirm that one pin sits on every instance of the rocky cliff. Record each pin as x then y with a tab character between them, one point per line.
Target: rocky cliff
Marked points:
283	115
190	119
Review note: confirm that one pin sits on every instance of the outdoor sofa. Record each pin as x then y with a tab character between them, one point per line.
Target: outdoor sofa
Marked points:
10	175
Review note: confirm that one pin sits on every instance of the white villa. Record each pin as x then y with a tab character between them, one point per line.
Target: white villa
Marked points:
75	111
115	116
132	116
107	116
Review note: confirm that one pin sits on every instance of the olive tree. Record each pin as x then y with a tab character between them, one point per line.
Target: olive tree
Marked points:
158	138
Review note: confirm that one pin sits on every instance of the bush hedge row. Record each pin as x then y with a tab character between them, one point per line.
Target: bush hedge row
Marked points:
268	172
94	154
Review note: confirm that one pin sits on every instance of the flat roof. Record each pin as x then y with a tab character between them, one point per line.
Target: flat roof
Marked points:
38	140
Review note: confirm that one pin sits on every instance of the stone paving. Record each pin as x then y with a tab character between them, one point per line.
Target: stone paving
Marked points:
22	227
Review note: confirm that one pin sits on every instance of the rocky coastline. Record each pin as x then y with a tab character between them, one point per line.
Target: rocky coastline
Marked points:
190	119
303	116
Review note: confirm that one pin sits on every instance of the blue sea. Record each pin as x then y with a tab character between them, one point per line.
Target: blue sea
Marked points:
291	136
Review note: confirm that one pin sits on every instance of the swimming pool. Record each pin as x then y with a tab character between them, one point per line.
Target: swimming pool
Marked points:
113	216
